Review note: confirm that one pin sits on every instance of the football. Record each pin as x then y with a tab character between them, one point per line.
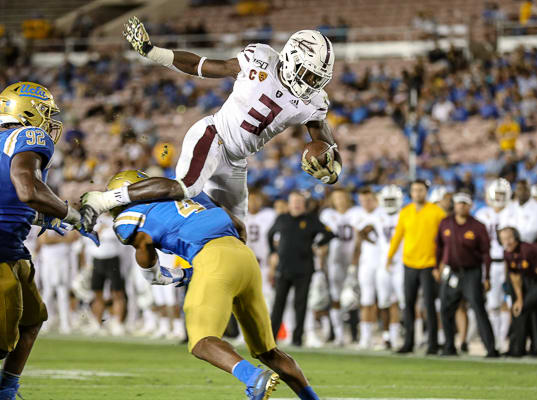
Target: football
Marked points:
318	149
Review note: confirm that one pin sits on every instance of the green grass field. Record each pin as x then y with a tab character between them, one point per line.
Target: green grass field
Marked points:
90	369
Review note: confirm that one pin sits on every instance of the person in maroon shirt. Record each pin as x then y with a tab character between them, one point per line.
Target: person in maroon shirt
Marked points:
521	263
462	247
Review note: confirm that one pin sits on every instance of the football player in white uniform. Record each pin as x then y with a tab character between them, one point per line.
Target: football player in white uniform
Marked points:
523	212
339	219
367	256
389	283
258	222
534	191
493	216
272	92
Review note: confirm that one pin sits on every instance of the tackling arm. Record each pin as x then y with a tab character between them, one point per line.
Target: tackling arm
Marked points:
25	174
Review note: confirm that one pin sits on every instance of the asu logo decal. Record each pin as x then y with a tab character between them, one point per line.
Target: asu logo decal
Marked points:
469	235
262	76
524	264
447	232
303	224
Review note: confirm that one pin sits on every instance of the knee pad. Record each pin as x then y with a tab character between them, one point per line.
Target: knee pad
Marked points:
3	354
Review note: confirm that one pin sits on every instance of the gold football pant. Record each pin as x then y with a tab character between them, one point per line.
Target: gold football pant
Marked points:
227	279
20	302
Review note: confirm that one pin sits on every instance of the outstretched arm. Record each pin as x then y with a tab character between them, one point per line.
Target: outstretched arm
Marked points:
184	61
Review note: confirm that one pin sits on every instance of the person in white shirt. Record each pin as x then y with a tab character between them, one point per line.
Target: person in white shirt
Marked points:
389	283
339	219
493	216
107	267
55	255
258	222
524	212
367	257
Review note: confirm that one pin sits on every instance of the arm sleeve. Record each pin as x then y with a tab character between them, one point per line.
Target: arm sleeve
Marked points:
439	244
485	250
397	235
246	57
275	228
321	103
30	139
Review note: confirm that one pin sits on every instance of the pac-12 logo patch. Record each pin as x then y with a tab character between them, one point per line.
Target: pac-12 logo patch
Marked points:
262	76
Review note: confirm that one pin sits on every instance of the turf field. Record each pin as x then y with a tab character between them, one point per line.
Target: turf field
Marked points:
90	369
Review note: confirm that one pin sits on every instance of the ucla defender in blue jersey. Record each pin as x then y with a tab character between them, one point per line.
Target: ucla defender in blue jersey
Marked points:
224	278
27	137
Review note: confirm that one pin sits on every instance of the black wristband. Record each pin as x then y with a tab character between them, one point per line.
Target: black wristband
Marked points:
146	47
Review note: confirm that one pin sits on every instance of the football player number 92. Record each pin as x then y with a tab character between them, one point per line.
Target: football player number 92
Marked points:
187	207
35	137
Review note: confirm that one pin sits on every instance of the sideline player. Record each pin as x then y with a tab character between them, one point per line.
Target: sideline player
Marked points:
258	222
389	282
493	217
339	219
226	279
367	255
27	137
272	92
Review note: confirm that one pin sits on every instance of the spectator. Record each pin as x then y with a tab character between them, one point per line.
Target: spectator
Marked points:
264	33
326	28
462	247
507	133
443	110
342	31
292	260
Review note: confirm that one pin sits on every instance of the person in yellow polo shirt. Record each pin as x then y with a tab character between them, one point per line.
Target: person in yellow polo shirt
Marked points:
417	226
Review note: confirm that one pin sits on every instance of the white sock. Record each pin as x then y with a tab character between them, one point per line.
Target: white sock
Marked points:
418	331
177	326
63	306
496	321
337	321
441	336
150	320
394	334
385	336
366	330
164	324
505	321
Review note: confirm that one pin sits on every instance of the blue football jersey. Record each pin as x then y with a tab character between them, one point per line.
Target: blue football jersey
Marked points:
15	216
178	227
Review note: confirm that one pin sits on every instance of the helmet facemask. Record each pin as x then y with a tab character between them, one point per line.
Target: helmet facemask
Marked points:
53	127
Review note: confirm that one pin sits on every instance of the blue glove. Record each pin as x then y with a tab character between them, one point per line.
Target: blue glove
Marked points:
53	223
94	236
187	278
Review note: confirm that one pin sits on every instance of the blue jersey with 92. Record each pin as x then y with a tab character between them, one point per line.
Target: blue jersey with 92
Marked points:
178	227
15	216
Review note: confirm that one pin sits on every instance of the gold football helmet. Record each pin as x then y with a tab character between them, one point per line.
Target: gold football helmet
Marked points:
30	104
124	178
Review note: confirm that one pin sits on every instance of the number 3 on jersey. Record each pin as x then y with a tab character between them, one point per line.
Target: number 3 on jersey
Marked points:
264	121
188	207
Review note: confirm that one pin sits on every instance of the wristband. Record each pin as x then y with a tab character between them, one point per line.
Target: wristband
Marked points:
200	64
161	56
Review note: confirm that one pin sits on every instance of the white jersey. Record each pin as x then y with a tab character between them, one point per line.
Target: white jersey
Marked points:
524	218
260	106
257	227
493	221
387	224
341	247
371	252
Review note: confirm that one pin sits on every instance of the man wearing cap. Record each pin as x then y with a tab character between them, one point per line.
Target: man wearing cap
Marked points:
462	247
521	261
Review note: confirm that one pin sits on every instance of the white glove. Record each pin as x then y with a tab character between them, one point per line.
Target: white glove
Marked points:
95	203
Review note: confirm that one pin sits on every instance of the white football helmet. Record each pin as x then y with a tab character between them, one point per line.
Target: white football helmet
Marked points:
391	198
499	193
438	194
307	60
319	295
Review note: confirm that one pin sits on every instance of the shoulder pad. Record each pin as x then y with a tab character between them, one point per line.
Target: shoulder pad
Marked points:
127	224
